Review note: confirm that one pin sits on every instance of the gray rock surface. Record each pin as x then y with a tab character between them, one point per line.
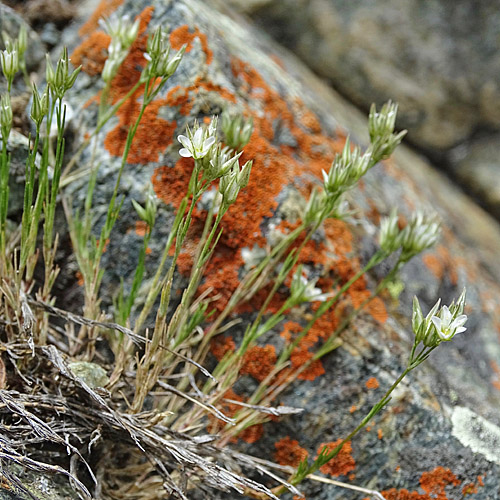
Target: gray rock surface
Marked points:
439	60
34	486
477	166
433	431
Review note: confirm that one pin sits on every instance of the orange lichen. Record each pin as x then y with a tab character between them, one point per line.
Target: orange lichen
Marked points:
250	434
380	433
221	345
288	452
289	329
342	464
353	408
324	327
153	134
311	122
377	310
362	298
259	361
79	278
435	482
104	9
141	228
469	489
440	263
496	370
92	53
372	383
182	35
301	359
434	263
106	243
403	494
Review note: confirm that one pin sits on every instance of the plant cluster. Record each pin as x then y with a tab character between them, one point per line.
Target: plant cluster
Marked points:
141	420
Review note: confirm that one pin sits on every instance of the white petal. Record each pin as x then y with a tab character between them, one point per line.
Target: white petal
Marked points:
460	329
208	142
460	320
197	138
446	315
437	323
184	141
185	152
325	177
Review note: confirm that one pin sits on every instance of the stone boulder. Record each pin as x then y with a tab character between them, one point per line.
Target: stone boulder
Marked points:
438	60
440	433
477	166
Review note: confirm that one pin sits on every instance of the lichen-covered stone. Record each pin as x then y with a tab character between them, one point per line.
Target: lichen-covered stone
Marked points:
34	485
299	126
92	374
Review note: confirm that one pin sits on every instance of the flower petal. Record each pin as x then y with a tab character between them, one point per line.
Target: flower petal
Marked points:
437	322
185	153
446	315
208	142
197	138
184	141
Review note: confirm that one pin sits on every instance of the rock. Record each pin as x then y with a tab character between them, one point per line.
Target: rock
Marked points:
35	485
438	60
415	443
477	166
91	373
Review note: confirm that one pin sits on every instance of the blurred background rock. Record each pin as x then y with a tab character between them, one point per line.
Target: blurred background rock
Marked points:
439	60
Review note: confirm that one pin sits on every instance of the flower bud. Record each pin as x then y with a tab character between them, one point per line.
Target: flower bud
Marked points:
315	207
60	80
39	106
5	116
10	63
244	174
173	64
236	129
421	233
228	187
390	235
22	41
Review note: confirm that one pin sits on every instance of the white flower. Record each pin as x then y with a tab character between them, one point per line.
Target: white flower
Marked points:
10	62
421	233
390	235
303	290
312	293
197	145
446	326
